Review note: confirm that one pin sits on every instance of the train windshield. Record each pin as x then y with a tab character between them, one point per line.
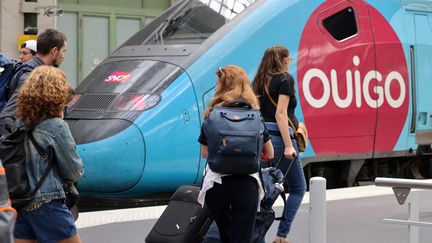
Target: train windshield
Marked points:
131	76
194	21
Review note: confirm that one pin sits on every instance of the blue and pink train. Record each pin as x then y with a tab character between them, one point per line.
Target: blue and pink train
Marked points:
364	81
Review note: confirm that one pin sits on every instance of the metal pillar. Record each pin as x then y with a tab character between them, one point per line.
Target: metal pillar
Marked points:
414	215
317	210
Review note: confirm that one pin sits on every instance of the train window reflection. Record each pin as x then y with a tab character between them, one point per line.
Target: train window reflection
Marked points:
342	24
132	76
194	21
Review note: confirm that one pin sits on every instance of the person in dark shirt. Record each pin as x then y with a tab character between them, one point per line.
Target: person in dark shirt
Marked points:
276	90
51	47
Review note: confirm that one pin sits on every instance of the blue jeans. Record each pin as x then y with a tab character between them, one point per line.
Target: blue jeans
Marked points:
295	180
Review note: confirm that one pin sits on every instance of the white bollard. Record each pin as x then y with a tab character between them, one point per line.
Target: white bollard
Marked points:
317	210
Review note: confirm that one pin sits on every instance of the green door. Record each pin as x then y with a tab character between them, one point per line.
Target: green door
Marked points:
68	24
96	42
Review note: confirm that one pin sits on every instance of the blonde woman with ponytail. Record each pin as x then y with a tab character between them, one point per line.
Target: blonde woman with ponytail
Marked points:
233	200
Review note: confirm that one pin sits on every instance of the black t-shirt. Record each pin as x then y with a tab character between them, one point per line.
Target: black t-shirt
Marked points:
281	84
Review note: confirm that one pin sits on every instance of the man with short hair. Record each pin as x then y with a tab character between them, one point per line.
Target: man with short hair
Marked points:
51	48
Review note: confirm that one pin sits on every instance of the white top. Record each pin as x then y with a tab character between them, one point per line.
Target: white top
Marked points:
211	177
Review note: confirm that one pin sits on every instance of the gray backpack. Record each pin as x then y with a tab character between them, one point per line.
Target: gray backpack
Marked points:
234	138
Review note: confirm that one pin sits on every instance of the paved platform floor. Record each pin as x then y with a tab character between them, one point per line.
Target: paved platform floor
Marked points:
354	215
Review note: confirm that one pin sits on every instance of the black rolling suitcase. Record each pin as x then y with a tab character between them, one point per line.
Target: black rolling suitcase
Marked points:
183	221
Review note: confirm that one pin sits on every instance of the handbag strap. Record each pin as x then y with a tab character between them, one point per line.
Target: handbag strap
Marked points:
44	155
275	105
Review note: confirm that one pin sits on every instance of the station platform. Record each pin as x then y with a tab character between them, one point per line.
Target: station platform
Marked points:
354	215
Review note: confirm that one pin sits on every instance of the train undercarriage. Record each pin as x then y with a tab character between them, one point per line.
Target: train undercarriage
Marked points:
348	173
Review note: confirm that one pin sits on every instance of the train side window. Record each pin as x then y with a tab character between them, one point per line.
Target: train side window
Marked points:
342	24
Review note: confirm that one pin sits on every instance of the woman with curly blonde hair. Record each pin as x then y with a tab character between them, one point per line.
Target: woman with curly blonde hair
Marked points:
41	102
233	200
43	96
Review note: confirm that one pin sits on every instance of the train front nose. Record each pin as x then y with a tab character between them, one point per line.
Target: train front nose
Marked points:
103	118
113	153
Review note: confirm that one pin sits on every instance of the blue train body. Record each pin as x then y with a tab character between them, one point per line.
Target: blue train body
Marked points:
363	91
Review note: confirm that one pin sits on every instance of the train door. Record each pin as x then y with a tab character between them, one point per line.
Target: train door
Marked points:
391	90
334	55
207	97
419	27
170	164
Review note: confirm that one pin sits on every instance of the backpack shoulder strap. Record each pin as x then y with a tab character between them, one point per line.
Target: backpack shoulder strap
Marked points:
238	103
17	66
44	155
21	68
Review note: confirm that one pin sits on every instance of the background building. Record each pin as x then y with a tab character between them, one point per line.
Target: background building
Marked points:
94	28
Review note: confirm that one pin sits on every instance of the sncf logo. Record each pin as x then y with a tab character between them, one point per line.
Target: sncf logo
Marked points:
357	88
353	84
117	77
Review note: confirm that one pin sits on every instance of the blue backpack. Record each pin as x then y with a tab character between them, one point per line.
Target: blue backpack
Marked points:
234	135
8	71
12	72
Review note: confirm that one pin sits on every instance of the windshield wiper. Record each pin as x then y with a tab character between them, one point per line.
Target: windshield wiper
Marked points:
170	20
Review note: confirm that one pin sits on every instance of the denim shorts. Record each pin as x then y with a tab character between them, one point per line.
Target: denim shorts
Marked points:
51	222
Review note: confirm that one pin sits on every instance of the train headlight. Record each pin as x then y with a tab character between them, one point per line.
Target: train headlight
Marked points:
135	102
74	100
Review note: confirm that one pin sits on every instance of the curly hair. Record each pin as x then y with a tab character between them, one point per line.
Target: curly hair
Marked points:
233	83
43	95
